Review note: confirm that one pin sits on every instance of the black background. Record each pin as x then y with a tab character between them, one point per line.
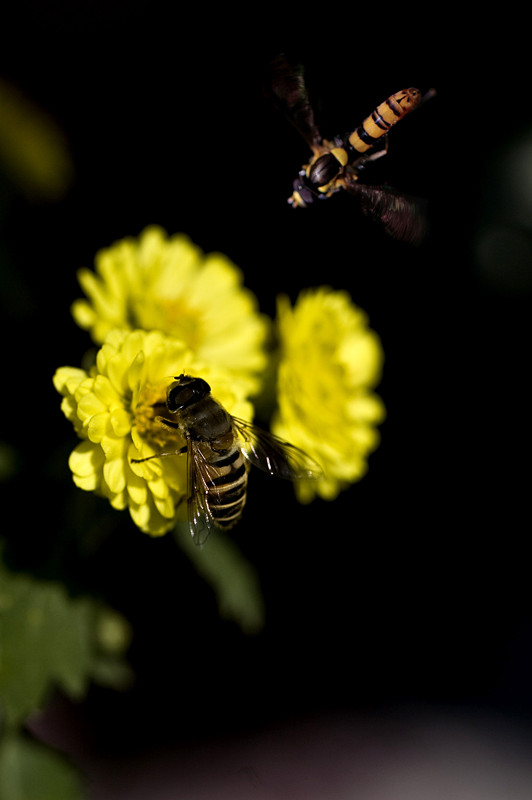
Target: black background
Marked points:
414	585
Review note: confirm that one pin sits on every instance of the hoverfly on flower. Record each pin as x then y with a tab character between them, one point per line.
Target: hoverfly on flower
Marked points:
220	448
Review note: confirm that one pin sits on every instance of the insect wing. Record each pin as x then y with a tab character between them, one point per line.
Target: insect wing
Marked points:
273	455
200	475
402	217
286	87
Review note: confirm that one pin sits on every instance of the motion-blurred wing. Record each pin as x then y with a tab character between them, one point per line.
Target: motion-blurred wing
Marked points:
286	88
401	216
273	455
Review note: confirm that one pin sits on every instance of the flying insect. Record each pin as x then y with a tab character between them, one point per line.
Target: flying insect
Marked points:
220	449
340	163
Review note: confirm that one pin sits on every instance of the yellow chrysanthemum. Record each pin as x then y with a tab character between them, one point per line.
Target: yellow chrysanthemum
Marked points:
111	408
329	363
166	283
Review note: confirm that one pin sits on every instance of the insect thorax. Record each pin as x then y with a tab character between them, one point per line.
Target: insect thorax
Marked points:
208	421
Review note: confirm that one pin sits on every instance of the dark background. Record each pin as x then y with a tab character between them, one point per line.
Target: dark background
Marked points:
414	585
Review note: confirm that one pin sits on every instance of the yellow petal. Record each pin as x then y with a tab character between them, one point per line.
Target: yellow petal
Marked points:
86	459
114	475
120	420
98	427
89	483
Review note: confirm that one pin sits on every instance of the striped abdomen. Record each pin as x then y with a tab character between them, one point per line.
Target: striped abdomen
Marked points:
383	118
226	487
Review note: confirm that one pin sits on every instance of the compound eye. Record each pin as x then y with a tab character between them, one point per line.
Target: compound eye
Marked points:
200	387
177	396
305	193
185	391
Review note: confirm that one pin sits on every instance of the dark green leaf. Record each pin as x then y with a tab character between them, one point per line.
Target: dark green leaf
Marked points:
31	771
232	577
49	639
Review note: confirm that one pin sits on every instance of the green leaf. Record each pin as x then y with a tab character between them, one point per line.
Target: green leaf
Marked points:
232	577
47	639
31	771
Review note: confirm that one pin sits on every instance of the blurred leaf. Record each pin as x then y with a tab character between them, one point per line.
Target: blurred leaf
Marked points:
111	673
49	639
9	461
30	771
232	577
33	149
113	633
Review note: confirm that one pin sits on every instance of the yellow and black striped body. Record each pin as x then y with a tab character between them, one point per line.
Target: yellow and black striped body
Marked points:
383	118
323	175
225	479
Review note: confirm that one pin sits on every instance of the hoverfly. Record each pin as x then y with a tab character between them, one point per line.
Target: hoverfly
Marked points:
339	164
219	450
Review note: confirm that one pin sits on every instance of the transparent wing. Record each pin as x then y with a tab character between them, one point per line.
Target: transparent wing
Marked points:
200	477
286	88
274	455
401	216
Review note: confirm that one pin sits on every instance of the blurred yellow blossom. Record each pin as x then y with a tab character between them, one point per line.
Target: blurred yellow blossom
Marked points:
111	409
157	282
330	361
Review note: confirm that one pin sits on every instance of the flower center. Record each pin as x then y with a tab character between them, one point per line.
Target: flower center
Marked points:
150	413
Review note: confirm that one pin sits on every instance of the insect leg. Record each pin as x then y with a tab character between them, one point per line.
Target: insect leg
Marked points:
376	153
160	455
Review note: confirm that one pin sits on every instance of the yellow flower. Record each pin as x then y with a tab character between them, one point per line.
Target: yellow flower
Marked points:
111	408
329	363
166	283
